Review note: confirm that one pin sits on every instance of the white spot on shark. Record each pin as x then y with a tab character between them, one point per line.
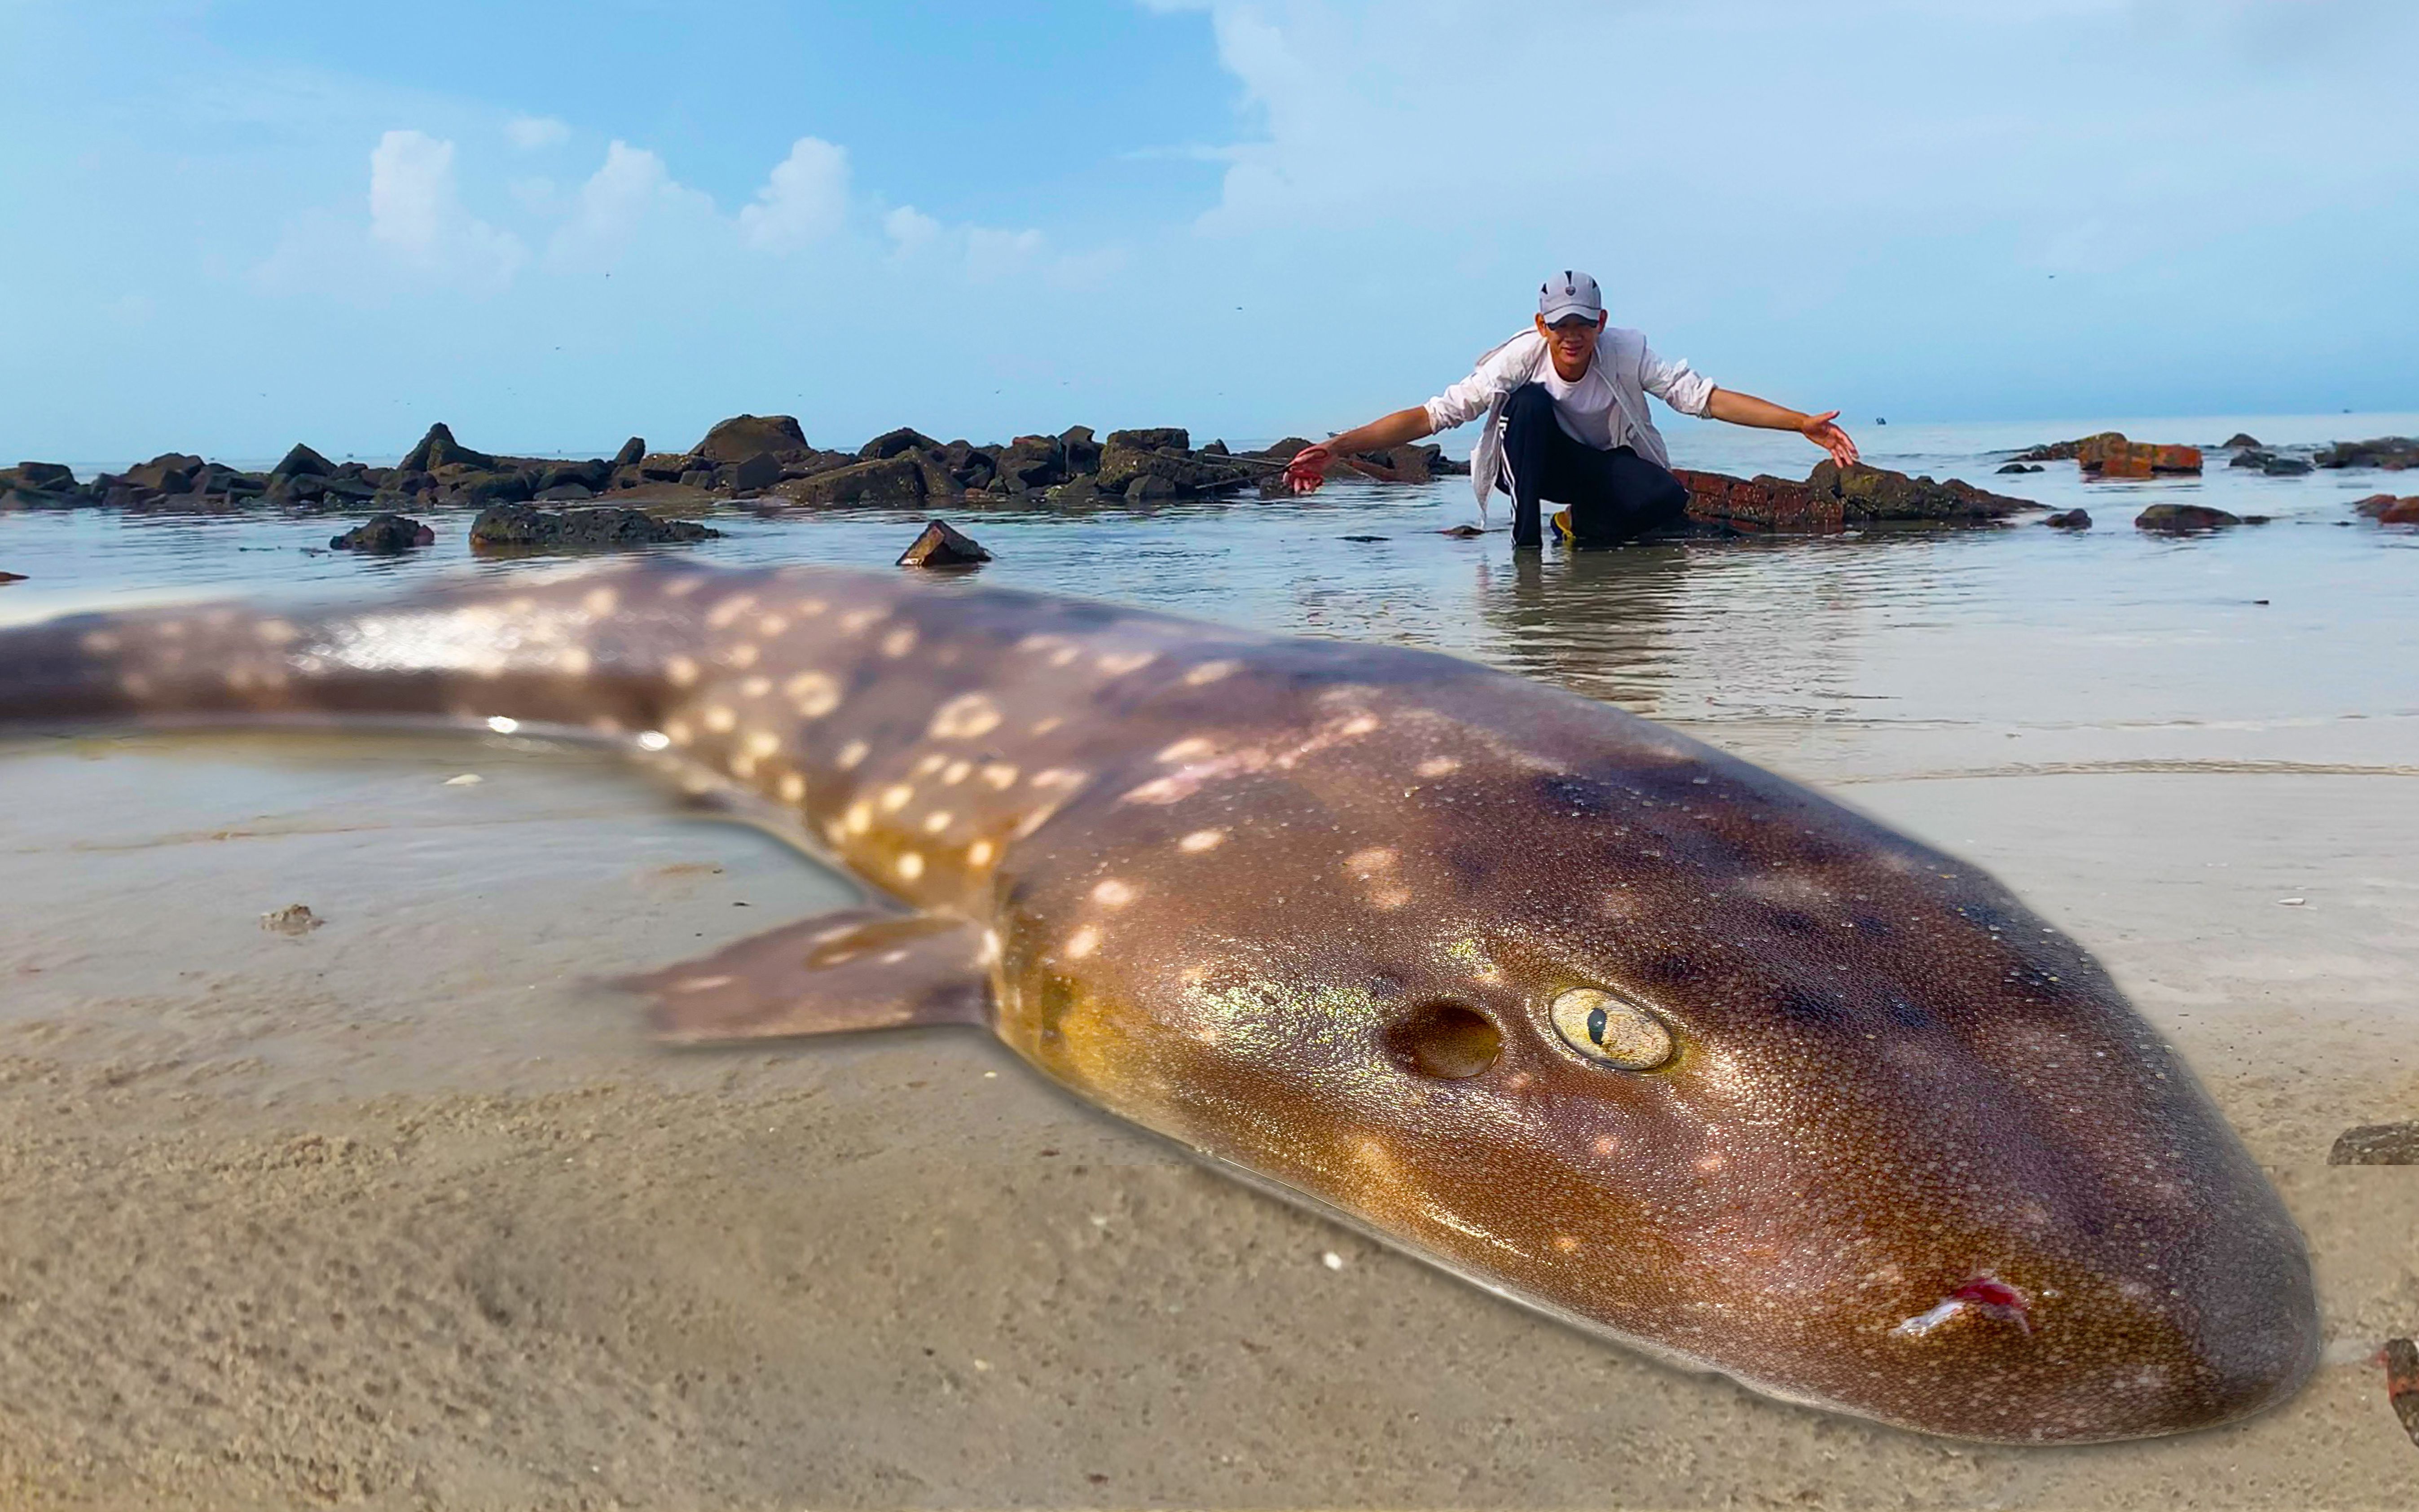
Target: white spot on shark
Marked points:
719	719
601	601
1210	672
794	788
1118	663
899	642
815	694
1083	943
938	820
756	686
1437	767
679	671
850	754
502	724
1192	747
722	615
771	626
1113	893
968	717
910	865
762	743
1000	775
1202	840
896	796
956	772
979	853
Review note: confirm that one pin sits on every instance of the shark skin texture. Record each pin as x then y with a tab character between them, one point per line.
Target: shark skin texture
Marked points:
1603	1020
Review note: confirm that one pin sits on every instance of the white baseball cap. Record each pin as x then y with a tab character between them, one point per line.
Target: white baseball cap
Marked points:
1567	294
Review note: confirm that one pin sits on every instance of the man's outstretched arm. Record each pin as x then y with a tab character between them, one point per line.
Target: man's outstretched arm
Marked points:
1308	469
1746	409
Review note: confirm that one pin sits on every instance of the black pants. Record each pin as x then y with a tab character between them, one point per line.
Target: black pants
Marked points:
1612	495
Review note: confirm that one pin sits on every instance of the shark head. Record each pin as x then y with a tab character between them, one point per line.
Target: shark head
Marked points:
1678	1052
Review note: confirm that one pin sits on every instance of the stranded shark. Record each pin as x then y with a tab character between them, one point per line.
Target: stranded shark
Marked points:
1596	1016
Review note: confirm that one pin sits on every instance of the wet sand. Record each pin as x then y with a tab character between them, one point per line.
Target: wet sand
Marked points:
404	1210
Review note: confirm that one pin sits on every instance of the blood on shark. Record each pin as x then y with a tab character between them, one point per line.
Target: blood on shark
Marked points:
1611	1024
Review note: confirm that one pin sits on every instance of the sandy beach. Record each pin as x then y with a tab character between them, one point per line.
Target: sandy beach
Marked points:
404	1210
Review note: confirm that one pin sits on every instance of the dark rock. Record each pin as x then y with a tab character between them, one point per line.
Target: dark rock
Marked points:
1122	463
1870	495
440	449
1143	487
943	545
49	476
2069	519
168	472
591	476
2388	510
1409	463
2250	459
756	475
892	443
1462	532
237	484
2021	467
742	437
1762	506
1082	452
633	451
490	488
385	533
1160	438
2184	519
2258	519
351	490
2285	467
2377	1144
1032	462
1218	448
1361	540
307	488
11	576
972	466
2392	453
1284	451
895	480
1077	493
806	464
663	467
302	462
527	526
2241	439
14	499
705	477
565	493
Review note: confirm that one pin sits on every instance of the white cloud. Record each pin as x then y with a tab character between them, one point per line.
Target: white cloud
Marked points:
628	190
416	214
805	200
532	132
909	228
993	255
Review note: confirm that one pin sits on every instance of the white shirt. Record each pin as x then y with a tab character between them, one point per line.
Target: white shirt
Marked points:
1588	410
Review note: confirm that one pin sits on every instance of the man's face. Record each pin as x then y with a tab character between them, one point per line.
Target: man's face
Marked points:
1573	338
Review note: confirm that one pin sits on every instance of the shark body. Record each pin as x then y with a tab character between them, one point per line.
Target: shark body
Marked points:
1610	1022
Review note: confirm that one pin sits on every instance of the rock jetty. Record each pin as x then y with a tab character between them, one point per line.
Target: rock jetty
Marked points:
2391	454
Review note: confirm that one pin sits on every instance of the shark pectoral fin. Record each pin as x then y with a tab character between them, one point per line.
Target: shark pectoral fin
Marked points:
856	968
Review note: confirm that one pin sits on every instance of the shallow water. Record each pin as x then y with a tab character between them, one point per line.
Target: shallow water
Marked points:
2113	722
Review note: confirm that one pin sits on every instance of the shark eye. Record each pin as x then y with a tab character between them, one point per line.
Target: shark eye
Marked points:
1604	1027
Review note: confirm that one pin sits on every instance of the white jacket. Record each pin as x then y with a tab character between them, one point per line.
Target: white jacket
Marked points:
1626	360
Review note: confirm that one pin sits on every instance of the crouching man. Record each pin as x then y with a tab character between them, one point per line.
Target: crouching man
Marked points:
1566	422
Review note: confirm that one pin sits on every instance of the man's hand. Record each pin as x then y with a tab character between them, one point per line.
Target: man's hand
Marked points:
1819	429
1308	469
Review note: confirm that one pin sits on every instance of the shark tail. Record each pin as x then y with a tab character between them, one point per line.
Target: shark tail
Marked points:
560	656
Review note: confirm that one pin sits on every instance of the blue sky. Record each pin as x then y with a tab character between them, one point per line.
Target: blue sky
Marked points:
236	224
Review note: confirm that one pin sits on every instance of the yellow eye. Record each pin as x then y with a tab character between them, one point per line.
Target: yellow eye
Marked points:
1604	1027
